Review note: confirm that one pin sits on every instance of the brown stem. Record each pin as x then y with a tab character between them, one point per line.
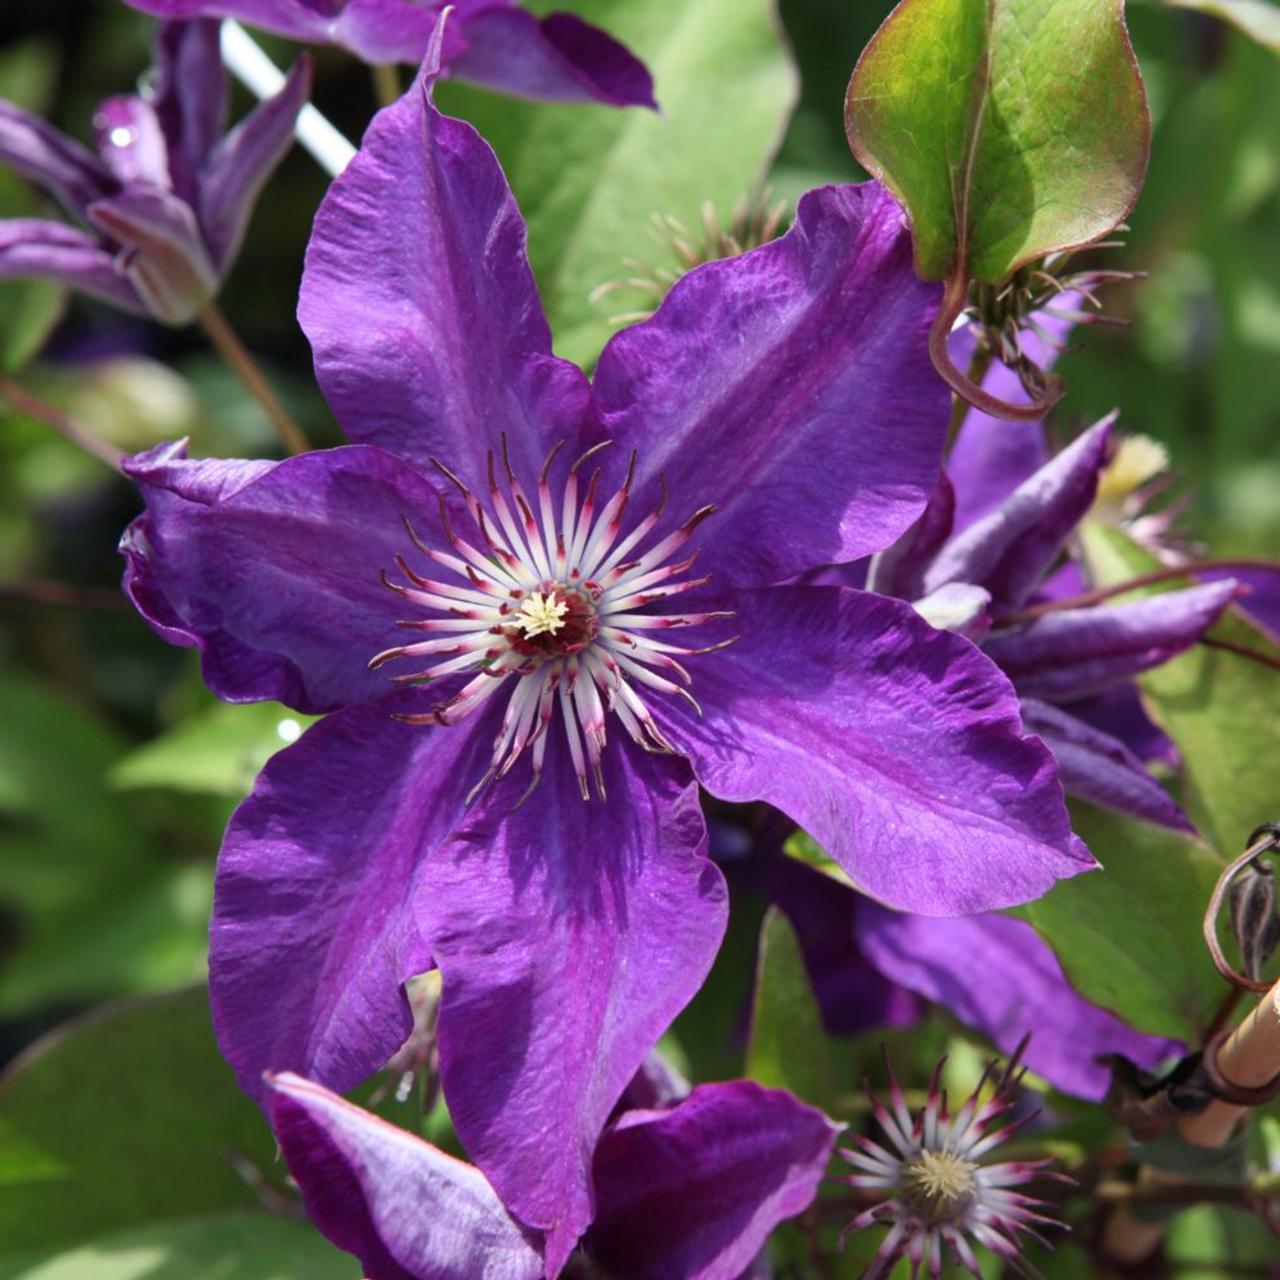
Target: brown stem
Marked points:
386	83
1099	594
954	299
233	351
1243	651
58	421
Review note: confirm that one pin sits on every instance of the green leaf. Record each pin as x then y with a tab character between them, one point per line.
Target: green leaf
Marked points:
29	311
125	1118
1009	128
1220	708
788	1047
1258	19
589	178
238	1246
1128	937
218	751
100	911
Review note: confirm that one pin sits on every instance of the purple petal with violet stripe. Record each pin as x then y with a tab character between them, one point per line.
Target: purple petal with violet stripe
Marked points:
899	569
1077	652
273	570
992	457
64	168
242	161
422	312
190	98
791	387
313	930
898	747
568	935
997	976
852	993
559	58
1097	767
130	141
34	247
694	1191
405	1209
164	254
1010	550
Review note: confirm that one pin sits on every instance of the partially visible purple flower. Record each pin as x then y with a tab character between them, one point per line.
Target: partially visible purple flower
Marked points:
494	43
165	203
541	592
690	1190
991	972
941	1192
980	580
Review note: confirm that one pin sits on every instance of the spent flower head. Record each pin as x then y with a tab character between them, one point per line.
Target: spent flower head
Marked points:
940	1187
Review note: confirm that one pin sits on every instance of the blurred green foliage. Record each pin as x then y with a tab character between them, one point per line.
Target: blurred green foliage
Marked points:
124	1140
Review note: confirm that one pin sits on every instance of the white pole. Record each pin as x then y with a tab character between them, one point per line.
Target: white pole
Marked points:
246	60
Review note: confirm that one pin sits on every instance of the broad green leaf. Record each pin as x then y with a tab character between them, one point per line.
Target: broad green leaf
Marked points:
236	1246
29	311
1128	936
217	751
1258	19
788	1047
589	179
1221	709
1009	128
128	1117
100	911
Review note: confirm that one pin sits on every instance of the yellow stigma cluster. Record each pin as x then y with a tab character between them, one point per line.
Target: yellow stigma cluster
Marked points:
1137	460
541	614
938	1185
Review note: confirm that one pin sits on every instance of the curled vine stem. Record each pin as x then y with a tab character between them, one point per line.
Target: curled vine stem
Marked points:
954	300
1264	839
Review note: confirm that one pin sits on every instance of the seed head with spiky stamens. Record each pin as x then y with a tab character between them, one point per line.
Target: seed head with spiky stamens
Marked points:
551	606
939	1188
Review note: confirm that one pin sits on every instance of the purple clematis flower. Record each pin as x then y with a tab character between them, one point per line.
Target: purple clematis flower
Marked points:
994	973
165	203
517	519
997	580
691	1190
493	43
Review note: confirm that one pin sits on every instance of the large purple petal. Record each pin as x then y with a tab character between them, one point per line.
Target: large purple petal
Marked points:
1077	652
405	1209
559	58
995	974
34	247
57	163
313	930
1119	713
694	1191
428	335
1097	767
898	747
1010	550
568	934
297	19
240	164
790	387
273	569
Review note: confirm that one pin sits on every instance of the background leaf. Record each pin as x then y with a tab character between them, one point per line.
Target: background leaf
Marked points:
1258	19
124	1118
788	1047
237	1246
1009	128
589	178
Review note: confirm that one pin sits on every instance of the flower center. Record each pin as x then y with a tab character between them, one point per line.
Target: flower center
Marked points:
549	601
937	1185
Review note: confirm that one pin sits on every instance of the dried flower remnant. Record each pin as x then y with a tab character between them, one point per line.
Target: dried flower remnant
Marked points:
756	220
941	1190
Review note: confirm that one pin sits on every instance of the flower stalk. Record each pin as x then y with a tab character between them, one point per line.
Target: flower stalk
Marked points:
53	418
